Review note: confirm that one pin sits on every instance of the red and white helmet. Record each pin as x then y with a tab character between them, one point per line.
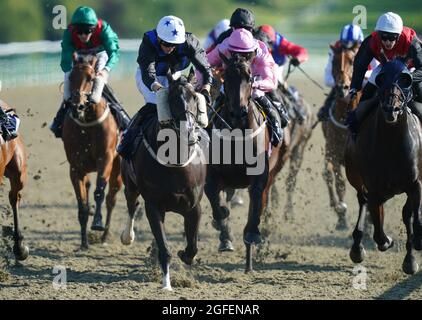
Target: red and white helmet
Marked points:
171	29
242	40
269	31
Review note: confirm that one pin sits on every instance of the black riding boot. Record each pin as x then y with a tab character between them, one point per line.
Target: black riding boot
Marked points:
271	112
117	110
125	146
416	104
57	125
323	113
7	126
364	108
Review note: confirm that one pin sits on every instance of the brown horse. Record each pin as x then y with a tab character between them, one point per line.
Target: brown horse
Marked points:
386	160
241	113
169	185
13	165
300	134
90	137
335	132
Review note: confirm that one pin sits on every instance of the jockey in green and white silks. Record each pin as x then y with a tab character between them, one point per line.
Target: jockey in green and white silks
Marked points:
87	32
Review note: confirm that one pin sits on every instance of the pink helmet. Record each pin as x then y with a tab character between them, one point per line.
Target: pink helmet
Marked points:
242	40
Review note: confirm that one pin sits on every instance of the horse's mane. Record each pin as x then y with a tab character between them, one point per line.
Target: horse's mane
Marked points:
238	65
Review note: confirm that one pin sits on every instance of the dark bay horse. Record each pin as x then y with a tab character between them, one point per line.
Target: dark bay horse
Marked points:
386	160
241	113
169	185
335	132
13	165
90	137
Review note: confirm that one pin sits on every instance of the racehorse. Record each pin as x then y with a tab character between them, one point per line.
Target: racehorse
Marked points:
90	137
169	185
300	128
13	165
335	132
386	160
241	113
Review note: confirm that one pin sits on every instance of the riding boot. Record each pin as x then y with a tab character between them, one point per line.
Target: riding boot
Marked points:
8	125
56	126
416	104
271	112
119	113
323	113
125	146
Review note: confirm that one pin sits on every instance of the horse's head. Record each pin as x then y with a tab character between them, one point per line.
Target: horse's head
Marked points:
238	89
183	101
343	68
394	89
81	83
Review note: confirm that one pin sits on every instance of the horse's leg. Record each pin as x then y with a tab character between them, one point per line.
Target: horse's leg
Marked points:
192	219
410	266
131	193
88	188
376	208
341	206
16	172
328	176
104	171
156	222
357	252
114	187
416	197
296	160
258	198
220	214
79	185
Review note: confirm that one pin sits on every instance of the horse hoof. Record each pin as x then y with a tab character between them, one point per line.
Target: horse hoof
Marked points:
225	212
97	227
389	244
236	201
226	246
249	270
410	266
357	256
184	257
127	239
22	253
167	288
342	225
252	238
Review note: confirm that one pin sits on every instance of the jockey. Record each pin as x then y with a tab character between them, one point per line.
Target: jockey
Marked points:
281	49
351	36
241	18
263	67
390	40
212	37
87	32
168	47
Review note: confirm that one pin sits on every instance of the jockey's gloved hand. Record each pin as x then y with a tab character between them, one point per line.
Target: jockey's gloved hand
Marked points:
295	62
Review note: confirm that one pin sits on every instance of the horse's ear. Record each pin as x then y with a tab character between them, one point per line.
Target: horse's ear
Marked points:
75	57
191	76
169	76
223	58
333	47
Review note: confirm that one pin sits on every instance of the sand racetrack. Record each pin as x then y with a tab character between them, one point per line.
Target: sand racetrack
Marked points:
307	258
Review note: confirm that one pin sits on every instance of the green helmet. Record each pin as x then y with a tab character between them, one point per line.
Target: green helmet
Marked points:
85	15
